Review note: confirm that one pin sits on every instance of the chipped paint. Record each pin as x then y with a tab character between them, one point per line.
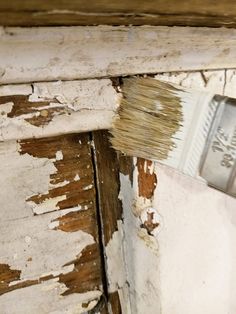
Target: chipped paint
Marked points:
59	155
141	256
41	246
56	108
19	184
46	296
151	221
47	205
87	264
76	220
51	255
115	260
61	187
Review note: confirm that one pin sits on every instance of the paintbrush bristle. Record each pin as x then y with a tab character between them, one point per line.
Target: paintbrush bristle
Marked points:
149	116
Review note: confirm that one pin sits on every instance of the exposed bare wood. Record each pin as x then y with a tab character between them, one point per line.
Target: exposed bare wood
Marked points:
73	177
147	180
107	165
77	18
108	179
88	52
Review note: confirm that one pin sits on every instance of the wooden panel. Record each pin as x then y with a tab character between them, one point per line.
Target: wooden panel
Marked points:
160	12
47	109
111	212
50	255
88	52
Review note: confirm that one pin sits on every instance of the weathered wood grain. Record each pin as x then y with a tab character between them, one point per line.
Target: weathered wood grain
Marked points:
77	18
54	108
49	241
111	213
107	166
57	12
88	52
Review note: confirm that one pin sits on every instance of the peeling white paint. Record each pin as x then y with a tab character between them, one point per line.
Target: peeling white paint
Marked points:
20	183
88	187
141	257
156	219
45	298
86	105
115	260
5	109
18	89
47	249
59	155
47	205
59	184
77	177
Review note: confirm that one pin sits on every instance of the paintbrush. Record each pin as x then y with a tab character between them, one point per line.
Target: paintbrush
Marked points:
190	130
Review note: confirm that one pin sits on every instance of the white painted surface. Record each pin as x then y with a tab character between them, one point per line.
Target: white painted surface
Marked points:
141	257
189	266
68	53
21	176
45	299
197	260
115	260
85	105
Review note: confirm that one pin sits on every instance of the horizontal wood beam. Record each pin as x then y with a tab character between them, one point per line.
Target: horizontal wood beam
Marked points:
154	12
77	18
47	54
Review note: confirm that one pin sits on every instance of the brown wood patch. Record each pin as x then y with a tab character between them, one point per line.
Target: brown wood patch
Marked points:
74	167
194	13
36	113
114	301
84	220
147	180
7	275
107	167
86	275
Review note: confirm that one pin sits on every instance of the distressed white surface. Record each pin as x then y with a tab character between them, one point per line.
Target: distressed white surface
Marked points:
197	259
34	238
21	177
67	53
189	266
86	105
115	260
141	257
29	243
45	298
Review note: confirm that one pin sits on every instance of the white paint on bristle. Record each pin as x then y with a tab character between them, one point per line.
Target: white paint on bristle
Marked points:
190	139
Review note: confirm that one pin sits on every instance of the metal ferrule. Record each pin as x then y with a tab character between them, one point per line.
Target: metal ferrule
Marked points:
218	165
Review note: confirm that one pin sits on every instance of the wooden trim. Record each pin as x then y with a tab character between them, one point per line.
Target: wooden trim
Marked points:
139	12
48	109
77	18
68	53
